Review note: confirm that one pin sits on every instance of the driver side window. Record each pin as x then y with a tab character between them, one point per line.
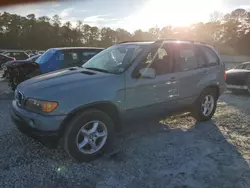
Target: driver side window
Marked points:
159	59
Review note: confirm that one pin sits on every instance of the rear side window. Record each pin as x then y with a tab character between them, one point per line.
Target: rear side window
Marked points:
70	58
186	58
210	56
74	56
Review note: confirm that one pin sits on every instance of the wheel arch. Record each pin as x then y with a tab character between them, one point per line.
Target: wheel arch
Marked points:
105	106
214	87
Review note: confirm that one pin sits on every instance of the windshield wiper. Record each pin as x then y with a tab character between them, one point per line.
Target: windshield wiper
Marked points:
97	69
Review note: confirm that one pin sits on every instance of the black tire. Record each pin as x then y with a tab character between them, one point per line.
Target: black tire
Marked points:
248	86
70	135
13	84
197	110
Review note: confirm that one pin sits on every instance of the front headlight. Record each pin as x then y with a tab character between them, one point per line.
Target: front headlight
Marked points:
35	105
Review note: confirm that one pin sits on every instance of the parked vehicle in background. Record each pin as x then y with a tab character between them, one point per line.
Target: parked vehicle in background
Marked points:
4	59
85	106
13	74
18	55
238	78
35	52
41	52
53	59
29	52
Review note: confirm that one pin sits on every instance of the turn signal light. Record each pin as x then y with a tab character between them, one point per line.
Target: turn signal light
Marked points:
49	106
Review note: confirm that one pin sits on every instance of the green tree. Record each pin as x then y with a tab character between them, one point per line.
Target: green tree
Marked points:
229	33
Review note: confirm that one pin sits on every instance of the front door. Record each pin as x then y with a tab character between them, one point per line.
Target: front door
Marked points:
152	95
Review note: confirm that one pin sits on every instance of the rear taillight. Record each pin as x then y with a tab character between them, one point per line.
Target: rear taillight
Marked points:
225	76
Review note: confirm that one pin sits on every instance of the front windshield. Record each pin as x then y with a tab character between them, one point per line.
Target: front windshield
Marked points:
114	59
45	57
33	58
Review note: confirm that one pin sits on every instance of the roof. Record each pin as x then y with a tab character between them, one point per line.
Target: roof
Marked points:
68	48
248	62
165	40
137	42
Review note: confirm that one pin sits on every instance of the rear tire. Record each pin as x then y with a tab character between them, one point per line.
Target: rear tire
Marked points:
205	105
79	139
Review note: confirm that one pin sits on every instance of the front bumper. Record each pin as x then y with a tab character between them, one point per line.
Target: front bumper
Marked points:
37	126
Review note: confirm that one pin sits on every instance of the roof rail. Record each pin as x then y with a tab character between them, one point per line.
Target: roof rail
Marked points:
191	41
135	41
162	40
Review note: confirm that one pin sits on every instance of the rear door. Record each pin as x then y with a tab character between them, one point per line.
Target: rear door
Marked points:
187	72
212	67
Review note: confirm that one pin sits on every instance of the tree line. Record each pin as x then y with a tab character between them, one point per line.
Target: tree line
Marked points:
228	33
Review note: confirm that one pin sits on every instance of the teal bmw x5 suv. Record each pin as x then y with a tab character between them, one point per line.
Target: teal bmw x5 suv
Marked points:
82	108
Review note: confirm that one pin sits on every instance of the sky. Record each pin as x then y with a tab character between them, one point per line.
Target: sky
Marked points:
130	14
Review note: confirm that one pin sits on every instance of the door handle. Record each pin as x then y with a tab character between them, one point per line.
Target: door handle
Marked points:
205	72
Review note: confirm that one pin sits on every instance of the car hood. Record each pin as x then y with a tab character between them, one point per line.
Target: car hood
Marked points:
237	71
9	62
61	78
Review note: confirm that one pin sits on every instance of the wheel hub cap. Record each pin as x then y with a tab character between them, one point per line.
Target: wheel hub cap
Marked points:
207	105
91	137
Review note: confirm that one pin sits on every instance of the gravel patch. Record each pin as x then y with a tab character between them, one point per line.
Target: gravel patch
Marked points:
172	152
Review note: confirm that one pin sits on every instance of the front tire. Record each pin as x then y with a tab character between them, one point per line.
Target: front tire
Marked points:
205	105
248	86
88	135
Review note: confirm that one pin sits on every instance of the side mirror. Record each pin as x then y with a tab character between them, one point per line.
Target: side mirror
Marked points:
147	73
